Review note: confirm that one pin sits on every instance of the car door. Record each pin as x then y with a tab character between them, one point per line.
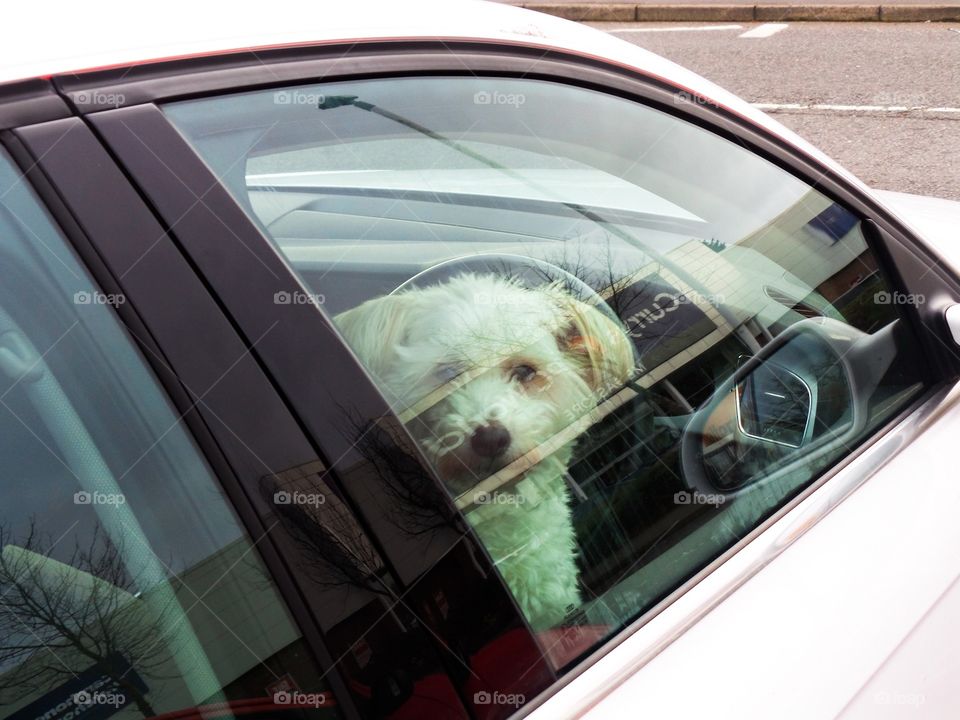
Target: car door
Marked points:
176	473
725	258
135	581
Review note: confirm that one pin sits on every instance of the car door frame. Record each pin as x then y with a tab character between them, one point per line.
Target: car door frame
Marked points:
184	337
123	125
241	422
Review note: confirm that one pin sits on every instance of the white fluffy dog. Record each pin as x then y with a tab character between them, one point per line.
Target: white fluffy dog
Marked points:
485	373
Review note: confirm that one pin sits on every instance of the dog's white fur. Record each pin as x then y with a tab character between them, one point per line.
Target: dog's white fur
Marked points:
525	361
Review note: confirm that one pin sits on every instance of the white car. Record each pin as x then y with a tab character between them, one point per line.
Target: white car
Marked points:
215	505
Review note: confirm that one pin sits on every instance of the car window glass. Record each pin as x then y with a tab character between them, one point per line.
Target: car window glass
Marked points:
128	588
620	340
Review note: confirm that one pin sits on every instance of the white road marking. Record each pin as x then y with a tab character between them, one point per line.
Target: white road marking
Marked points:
799	107
701	28
765	30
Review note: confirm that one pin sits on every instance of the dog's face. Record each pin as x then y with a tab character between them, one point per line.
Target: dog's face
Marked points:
484	370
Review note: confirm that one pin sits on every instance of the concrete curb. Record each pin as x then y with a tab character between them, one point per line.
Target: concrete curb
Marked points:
630	12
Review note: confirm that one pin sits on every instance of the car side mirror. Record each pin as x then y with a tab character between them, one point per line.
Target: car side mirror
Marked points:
791	406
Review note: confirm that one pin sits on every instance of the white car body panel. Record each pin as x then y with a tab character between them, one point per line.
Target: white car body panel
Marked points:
849	614
825	617
935	220
804	637
811	619
919	678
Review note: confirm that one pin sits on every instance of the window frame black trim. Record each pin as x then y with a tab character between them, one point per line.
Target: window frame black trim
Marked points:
30	101
55	165
49	149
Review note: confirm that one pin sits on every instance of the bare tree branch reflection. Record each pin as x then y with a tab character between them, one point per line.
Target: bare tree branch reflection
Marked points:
56	617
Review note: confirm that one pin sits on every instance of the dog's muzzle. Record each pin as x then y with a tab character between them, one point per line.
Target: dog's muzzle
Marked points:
490	441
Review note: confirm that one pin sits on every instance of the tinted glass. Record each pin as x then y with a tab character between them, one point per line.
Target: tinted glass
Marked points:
128	588
619	340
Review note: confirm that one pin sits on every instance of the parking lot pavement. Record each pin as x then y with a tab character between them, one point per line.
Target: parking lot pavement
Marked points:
883	99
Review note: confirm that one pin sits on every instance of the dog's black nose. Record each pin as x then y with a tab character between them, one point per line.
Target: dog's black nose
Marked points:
490	440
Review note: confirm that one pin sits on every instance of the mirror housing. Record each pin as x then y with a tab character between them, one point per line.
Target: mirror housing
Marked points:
805	394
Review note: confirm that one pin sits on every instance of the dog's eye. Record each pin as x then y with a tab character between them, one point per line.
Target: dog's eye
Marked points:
523	373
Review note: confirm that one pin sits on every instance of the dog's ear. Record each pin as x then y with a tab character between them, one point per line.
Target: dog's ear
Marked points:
376	328
599	346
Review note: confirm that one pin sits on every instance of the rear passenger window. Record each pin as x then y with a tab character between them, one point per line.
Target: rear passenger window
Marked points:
621	341
128	588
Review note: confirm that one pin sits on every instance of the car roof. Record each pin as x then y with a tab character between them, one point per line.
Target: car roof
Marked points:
37	41
68	39
78	37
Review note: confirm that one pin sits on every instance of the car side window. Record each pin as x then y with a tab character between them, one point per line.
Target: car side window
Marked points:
128	588
620	340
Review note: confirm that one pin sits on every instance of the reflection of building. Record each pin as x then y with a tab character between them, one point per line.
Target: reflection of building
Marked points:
226	601
815	241
802	263
670	319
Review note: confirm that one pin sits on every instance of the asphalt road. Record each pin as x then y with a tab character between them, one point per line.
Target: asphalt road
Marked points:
871	70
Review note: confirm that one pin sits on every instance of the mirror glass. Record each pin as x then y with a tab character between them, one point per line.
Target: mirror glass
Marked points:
776	405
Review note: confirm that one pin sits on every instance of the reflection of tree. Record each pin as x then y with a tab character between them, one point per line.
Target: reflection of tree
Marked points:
619	286
335	548
419	505
57	618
